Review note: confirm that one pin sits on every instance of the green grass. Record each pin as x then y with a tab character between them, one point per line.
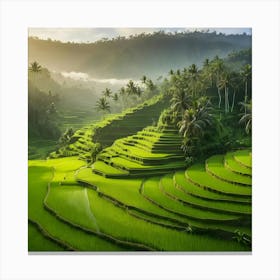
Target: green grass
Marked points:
39	148
37	242
119	208
190	188
108	169
168	187
126	191
234	166
244	157
39	175
197	175
140	153
114	126
122	225
72	200
151	190
130	165
215	165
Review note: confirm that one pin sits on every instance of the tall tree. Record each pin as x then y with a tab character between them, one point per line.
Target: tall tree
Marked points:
194	81
103	105
246	117
115	97
235	83
195	122
131	88
224	83
35	67
180	101
246	74
144	79
107	92
217	66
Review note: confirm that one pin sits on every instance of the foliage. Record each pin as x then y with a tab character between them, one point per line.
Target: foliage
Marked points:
42	121
103	105
66	137
123	57
35	67
96	149
246	117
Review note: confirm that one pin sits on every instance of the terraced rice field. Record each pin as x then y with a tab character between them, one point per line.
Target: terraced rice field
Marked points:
112	127
140	195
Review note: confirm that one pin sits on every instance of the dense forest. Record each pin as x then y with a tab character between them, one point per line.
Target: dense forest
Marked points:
56	106
154	54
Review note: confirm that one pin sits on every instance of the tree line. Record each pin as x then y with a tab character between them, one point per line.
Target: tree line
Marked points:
42	111
209	105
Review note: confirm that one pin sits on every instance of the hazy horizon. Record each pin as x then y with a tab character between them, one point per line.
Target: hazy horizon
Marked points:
86	35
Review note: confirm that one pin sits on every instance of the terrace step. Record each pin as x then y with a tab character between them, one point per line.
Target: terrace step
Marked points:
182	183
168	187
243	157
197	175
231	164
152	192
215	166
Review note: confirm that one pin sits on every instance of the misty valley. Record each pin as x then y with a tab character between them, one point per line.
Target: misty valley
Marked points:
140	143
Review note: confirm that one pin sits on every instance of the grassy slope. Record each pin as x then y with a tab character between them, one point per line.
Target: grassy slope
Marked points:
113	127
168	187
37	242
115	221
39	149
39	174
126	192
86	208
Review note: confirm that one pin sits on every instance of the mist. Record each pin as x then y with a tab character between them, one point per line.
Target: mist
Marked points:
85	77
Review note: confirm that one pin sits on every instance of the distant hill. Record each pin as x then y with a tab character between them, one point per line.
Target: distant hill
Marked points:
151	54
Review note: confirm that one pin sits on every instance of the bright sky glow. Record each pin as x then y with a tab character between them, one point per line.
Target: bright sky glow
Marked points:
95	34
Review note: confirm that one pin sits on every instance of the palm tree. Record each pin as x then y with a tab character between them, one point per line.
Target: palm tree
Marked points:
107	92
224	84
246	118
115	97
207	73
180	101
96	149
35	67
235	83
103	105
138	91
206	62
217	66
195	121
150	85
144	79
193	78
246	74
122	93
131	88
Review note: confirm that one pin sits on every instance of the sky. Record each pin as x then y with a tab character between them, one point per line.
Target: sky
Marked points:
95	34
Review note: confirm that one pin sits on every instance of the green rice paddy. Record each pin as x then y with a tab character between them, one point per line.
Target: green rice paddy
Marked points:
140	195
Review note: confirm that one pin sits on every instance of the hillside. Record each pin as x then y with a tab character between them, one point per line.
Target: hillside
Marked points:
113	127
153	54
206	207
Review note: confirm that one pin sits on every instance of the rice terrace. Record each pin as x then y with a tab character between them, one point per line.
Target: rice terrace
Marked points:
140	141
